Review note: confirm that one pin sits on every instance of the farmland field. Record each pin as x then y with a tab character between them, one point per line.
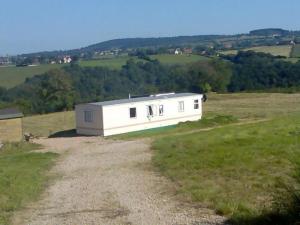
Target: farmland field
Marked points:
117	63
114	63
296	51
12	76
178	59
280	50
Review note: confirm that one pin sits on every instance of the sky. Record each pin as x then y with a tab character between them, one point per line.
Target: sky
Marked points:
44	25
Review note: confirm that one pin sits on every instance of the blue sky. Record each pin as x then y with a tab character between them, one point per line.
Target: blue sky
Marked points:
36	25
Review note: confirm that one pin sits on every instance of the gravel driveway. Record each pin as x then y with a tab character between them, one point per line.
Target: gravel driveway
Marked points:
108	182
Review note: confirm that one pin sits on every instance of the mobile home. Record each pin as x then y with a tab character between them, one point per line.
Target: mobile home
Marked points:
133	114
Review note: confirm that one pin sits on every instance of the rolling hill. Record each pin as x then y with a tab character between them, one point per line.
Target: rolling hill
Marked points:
260	37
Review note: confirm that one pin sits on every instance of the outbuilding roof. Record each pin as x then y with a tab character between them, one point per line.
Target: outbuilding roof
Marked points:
10	113
142	99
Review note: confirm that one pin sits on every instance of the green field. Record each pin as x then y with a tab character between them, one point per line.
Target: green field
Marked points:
22	176
12	76
296	51
113	63
279	50
179	59
118	62
235	169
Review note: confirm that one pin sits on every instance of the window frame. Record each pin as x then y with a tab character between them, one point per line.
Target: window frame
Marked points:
135	113
196	104
161	110
88	116
148	111
180	103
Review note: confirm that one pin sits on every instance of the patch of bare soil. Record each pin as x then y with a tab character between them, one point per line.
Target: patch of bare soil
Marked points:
108	182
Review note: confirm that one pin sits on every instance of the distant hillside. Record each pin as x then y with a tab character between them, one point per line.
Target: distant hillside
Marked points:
133	43
152	42
273	31
269	31
260	37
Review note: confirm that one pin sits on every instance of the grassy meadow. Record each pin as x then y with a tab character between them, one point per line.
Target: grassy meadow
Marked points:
22	176
12	76
234	169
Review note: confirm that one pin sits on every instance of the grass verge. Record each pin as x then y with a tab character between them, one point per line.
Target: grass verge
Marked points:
233	169
22	176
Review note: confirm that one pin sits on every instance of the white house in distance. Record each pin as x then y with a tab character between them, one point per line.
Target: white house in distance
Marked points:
133	114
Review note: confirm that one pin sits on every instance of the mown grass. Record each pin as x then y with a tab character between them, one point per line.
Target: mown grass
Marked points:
22	176
234	169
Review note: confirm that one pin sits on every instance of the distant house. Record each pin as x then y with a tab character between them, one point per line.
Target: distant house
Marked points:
188	51
133	114
67	59
11	128
4	61
178	51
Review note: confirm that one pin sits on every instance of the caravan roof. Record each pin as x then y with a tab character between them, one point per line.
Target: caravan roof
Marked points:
141	99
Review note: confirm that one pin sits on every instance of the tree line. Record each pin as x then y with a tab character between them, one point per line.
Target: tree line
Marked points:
61	89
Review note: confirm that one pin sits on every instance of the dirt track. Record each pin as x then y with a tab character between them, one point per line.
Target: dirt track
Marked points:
108	182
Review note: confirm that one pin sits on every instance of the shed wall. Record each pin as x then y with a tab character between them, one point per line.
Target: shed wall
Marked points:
89	128
11	130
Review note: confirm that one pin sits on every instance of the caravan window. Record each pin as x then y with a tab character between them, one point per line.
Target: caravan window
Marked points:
132	112
181	106
196	104
88	116
161	110
150	110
